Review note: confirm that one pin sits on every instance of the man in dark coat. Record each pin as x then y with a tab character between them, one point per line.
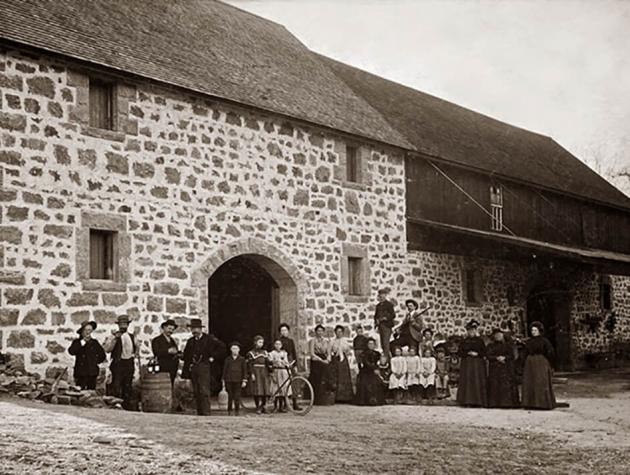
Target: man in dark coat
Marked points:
89	354
384	318
124	350
165	349
200	352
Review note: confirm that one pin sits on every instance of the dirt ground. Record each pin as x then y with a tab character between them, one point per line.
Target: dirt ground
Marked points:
592	436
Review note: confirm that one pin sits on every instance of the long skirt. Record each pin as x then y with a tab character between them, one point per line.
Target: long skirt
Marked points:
343	381
502	389
323	383
537	384
370	390
472	382
260	384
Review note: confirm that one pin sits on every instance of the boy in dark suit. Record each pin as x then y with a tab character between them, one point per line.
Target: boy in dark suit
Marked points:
235	377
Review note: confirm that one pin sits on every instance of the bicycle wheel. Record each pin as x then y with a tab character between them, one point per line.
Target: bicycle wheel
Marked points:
300	401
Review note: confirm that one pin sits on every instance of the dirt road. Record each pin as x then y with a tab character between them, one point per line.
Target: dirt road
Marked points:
592	436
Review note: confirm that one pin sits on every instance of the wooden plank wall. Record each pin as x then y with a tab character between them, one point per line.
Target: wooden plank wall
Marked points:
527	211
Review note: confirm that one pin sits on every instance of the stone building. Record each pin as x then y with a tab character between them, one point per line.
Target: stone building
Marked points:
188	159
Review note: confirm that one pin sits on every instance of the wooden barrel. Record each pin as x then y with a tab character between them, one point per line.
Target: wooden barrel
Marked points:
156	392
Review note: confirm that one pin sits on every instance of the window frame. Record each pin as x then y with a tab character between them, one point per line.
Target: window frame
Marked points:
496	207
109	240
606	298
108	88
472	286
355	276
353	163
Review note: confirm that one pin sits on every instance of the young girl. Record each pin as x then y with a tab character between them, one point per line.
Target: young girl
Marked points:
398	376
441	373
413	373
383	373
427	374
279	374
257	360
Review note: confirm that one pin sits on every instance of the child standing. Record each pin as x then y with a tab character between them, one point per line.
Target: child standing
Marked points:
441	373
398	376
279	375
384	372
234	377
427	374
413	373
257	360
359	344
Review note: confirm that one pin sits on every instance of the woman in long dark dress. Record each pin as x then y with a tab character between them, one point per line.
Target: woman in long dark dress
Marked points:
502	388
537	374
321	376
370	390
472	390
340	351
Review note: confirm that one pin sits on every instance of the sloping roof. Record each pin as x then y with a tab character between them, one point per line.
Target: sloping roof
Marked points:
202	45
451	132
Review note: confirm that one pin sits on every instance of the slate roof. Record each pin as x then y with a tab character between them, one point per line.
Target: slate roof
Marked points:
202	45
454	133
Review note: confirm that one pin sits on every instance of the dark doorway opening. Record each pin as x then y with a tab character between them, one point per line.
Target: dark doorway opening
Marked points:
552	307
243	300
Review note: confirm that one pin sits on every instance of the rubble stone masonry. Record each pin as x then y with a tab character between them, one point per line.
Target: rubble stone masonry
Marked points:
185	183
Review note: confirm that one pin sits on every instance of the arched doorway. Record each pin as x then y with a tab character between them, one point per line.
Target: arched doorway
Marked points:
258	273
243	301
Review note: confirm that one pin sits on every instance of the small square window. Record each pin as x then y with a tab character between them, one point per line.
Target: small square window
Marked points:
352	164
101	104
355	276
473	287
102	254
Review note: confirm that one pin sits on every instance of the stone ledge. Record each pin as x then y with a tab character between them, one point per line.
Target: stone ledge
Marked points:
104	285
113	135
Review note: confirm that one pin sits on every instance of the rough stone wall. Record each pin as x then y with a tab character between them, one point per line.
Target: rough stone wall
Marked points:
586	303
188	176
182	180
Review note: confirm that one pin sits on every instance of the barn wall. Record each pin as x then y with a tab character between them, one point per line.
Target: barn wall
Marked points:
185	178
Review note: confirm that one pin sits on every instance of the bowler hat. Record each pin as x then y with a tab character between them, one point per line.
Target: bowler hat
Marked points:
85	324
169	322
235	343
472	324
195	323
122	319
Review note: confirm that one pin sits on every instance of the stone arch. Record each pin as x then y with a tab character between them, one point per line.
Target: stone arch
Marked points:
291	286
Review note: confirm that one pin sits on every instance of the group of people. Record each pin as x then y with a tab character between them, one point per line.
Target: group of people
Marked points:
264	372
422	366
416	364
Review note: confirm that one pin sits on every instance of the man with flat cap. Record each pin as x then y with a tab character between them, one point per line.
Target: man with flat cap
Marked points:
122	346
384	318
165	349
89	354
200	352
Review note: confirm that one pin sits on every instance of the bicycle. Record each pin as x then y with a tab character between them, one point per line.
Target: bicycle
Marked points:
297	392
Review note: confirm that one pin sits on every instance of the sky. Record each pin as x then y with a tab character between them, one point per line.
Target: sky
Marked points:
561	68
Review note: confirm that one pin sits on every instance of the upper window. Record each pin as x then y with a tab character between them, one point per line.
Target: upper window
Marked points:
473	286
352	164
355	276
102	254
605	294
101	104
496	207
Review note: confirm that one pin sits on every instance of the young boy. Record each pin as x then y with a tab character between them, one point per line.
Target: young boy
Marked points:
234	377
359	344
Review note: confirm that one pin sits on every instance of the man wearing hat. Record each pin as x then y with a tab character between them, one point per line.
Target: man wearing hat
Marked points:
200	352
123	349
384	317
409	332
165	349
89	354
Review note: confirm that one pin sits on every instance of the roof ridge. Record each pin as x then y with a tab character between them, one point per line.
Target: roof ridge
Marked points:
247	12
